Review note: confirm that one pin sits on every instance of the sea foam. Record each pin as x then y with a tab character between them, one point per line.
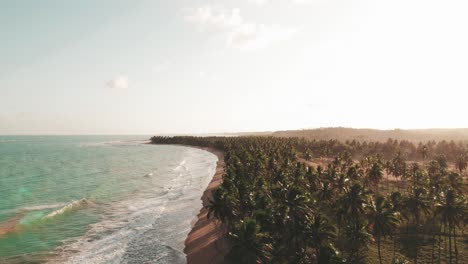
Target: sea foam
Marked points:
75	205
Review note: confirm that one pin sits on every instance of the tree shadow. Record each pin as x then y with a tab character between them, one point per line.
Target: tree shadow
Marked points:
410	242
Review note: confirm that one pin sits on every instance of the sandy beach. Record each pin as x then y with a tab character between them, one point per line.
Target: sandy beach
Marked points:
207	242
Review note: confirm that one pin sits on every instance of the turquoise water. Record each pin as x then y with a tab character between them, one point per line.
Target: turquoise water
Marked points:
98	199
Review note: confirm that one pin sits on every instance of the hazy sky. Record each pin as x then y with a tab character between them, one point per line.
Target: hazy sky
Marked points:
198	66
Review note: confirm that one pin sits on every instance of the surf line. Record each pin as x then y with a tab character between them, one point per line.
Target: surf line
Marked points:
75	205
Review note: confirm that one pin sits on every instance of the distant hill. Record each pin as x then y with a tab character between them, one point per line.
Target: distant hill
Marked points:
343	134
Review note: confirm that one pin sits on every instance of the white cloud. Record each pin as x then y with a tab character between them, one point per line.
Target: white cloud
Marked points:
255	36
239	33
211	17
119	82
258	2
243	35
201	74
263	2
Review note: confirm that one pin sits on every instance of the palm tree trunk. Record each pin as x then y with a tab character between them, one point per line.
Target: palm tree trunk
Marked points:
450	244
440	240
417	242
357	255
394	245
433	240
378	248
339	232
388	183
398	183
445	242
455	242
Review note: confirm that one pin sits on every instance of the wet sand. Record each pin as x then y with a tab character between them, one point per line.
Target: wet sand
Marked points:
207	241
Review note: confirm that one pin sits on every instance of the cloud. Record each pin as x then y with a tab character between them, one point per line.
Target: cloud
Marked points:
239	33
207	17
118	82
263	2
258	2
244	35
255	36
201	74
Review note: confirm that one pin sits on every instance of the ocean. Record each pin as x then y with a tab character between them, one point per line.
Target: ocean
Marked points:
98	199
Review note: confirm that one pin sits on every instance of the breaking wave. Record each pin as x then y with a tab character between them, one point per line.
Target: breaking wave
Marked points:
75	205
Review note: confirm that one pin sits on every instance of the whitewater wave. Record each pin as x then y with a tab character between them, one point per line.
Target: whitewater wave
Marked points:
75	205
147	226
21	220
181	166
115	142
33	208
139	230
12	140
107	241
41	207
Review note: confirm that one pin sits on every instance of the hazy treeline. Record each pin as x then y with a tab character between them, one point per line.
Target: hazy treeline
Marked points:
343	134
449	150
415	151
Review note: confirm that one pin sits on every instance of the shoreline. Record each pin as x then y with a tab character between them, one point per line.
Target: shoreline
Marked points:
207	241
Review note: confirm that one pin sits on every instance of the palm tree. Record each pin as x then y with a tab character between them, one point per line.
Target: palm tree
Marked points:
308	155
453	211
220	207
353	172
397	204
375	175
462	163
424	152
249	245
351	209
341	183
329	255
442	160
436	174
417	176
398	166
320	230
298	214
325	193
417	205
354	201
388	170
383	220
455	182
357	238
347	159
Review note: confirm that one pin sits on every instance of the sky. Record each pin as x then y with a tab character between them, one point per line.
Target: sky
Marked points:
201	66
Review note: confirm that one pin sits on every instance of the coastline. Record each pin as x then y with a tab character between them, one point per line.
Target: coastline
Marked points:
207	241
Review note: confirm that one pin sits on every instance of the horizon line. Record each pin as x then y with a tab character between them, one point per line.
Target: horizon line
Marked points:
231	132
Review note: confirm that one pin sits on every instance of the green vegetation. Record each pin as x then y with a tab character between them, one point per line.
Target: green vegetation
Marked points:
286	200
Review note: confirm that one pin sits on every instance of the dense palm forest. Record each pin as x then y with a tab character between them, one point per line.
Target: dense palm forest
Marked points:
290	200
